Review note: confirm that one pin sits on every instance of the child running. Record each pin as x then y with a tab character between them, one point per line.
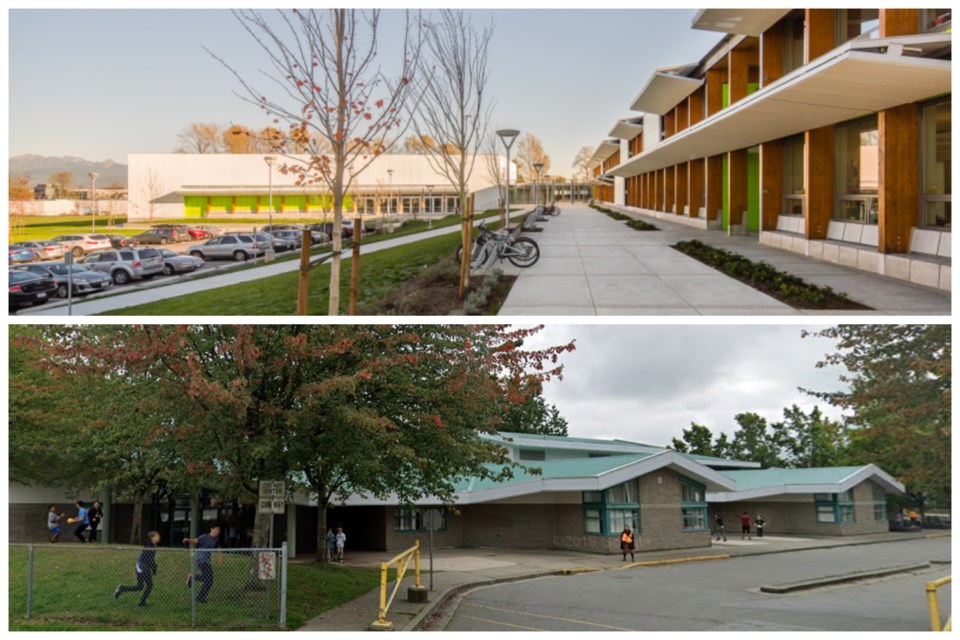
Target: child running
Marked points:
53	523
146	568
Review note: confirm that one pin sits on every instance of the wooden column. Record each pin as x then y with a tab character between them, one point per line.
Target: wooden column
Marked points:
669	123
899	22
669	189
657	190
820	35
736	185
714	91
738	63
714	186
818	179
647	191
682	118
695	171
899	132
695	105
771	184
681	187
771	54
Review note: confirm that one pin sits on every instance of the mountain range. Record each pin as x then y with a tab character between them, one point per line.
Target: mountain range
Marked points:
40	168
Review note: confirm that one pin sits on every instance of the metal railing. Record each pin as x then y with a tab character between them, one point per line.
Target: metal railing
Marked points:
179	588
934	604
402	561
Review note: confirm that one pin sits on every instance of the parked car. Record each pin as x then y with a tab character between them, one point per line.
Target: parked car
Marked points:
236	246
163	235
18	254
85	279
327	228
279	244
197	233
270	228
81	244
118	241
173	262
27	289
294	238
936	521
210	229
46	249
126	264
318	234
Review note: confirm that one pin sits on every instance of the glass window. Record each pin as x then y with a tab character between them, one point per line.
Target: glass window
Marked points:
618	518
858	171
823	497
533	454
228	240
825	513
694	518
592	496
793	176
935	19
880	510
407	519
936	167
625	493
592	521
854	23
691	493
793	42
846	496
845	514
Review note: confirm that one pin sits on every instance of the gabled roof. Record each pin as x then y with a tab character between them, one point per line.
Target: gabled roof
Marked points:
762	483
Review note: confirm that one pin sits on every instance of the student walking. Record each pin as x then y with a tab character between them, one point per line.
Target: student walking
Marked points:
626	543
718	529
758	523
745	526
341	540
146	568
331	544
205	544
53	523
94	515
82	518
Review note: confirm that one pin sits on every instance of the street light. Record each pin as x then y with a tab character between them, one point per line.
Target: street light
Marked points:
539	167
430	197
93	201
508	137
269	160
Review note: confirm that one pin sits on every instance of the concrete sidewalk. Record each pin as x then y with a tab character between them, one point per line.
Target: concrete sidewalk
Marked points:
591	264
456	569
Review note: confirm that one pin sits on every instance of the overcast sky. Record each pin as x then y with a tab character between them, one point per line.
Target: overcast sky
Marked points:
647	383
100	84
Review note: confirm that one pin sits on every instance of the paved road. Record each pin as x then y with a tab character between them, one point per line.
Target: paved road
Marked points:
720	595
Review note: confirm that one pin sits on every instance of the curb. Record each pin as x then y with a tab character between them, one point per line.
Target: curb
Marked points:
852	543
790	587
657	563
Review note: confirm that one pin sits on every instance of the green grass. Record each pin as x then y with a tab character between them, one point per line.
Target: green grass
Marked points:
46	227
380	273
73	590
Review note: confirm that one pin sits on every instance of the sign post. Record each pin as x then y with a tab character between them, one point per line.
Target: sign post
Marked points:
433	520
272	500
68	263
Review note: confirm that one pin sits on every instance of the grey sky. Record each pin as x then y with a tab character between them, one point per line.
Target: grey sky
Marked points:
648	382
103	83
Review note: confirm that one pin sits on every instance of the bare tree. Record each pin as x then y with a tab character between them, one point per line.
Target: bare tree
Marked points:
201	137
19	192
529	152
454	110
150	187
496	171
63	182
580	162
332	97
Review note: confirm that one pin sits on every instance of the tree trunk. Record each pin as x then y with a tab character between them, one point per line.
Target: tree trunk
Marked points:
466	241
322	503
136	527
334	308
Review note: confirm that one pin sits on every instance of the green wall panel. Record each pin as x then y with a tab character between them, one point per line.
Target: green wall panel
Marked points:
194	206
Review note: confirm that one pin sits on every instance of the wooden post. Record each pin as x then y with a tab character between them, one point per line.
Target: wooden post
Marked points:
695	199
771	184
681	187
670	178
899	22
771	54
820	32
818	179
714	186
355	266
714	91
737	168
304	284
899	134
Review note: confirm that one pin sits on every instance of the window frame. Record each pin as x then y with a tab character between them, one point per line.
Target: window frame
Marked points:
841	505
415	515
866	203
693	508
604	508
926	199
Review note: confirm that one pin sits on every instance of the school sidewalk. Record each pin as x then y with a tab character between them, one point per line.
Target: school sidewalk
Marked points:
456	569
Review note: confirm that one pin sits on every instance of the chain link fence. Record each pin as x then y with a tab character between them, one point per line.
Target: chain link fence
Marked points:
217	589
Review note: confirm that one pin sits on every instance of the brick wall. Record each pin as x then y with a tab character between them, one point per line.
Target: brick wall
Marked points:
509	525
450	538
661	524
569	533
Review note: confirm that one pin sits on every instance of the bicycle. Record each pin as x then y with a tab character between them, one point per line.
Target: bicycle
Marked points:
551	210
489	246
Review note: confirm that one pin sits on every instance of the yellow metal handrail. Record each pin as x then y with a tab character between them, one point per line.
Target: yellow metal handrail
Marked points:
934	604
402	561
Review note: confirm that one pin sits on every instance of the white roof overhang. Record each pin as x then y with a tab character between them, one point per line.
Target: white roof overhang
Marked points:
869	472
744	22
845	84
663	91
606	149
626	130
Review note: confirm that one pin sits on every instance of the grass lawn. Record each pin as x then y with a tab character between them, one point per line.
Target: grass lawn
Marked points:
46	227
73	590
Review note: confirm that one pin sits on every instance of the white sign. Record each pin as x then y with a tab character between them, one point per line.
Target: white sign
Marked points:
272	497
267	565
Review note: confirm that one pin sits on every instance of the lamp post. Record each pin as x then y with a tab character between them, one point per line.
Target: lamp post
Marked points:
93	201
269	160
430	198
508	137
539	167
389	190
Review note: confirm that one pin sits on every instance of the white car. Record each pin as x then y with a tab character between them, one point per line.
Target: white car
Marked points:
81	244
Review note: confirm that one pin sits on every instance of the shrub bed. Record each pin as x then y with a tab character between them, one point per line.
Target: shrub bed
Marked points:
639	225
764	277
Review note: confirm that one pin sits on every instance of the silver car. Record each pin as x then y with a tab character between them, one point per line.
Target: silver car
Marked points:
173	262
84	279
233	246
46	249
83	243
125	265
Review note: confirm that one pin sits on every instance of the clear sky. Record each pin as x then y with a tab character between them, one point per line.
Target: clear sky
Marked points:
102	83
647	383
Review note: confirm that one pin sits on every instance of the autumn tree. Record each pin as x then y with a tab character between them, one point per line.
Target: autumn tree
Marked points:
327	91
238	139
454	108
534	415
529	152
581	162
201	137
898	394
63	182
418	144
19	192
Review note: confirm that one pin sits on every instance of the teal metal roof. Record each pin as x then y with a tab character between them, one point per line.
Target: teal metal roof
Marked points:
596	441
748	479
552	470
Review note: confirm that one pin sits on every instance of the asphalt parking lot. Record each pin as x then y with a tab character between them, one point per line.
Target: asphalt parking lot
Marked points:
721	595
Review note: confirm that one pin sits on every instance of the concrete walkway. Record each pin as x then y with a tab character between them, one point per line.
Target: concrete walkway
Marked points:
144	295
462	568
591	264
